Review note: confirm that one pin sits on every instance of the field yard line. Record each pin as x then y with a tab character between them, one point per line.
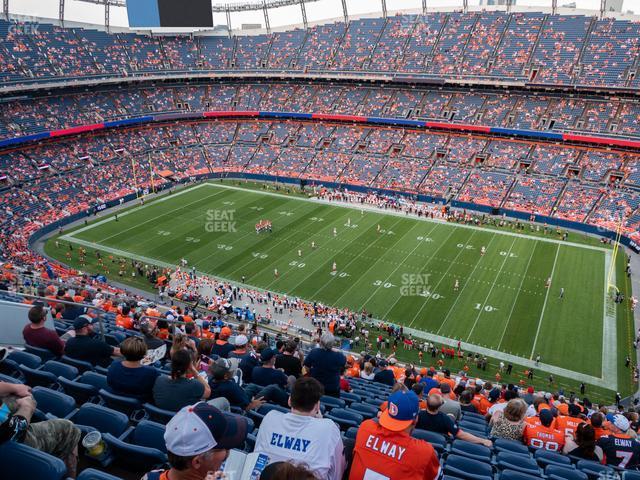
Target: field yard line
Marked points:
544	305
164	198
431	257
375	290
506	325
451	264
415	217
506	257
380	237
244	235
609	329
559	371
463	288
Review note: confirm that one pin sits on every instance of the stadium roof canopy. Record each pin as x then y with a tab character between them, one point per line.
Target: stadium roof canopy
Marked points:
248	16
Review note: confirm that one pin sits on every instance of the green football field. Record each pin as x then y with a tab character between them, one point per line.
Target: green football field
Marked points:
399	268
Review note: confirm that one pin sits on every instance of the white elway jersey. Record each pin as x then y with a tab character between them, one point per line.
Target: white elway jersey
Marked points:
315	442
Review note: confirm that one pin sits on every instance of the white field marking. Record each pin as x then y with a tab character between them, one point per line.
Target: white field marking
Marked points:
109	218
464	286
475	323
430	257
344	269
400	264
506	325
603	382
609	329
442	278
318	248
415	217
544	305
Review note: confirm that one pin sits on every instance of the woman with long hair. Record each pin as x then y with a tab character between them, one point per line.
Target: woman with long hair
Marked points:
185	386
584	445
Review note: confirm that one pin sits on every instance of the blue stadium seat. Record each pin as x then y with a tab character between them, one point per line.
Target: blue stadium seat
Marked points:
25	358
54	403
81	365
9	379
344	418
350	397
158	414
473	428
520	463
545	457
631	475
129	405
467	468
95	379
22	462
504	445
250	442
60	369
367	411
352	432
138	451
438	440
515	475
473	416
43	353
471	450
593	469
36	377
332	402
93	474
556	472
103	419
81	392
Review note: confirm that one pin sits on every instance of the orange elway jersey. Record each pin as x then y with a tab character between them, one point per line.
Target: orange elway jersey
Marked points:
382	454
539	436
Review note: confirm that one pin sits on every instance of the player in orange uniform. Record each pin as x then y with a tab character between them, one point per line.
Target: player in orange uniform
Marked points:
385	449
543	435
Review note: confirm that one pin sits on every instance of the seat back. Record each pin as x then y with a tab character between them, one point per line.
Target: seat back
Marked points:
56	403
121	403
149	434
471	450
558	472
102	419
331	402
504	445
94	379
158	415
463	467
37	377
93	474
21	461
25	358
60	369
437	440
81	392
43	353
81	365
514	475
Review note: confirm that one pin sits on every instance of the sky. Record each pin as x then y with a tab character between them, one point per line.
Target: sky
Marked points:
76	10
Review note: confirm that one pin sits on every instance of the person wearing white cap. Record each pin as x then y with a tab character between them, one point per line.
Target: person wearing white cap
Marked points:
620	450
198	439
246	358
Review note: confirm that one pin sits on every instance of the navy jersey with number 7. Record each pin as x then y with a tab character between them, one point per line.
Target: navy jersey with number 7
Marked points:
620	450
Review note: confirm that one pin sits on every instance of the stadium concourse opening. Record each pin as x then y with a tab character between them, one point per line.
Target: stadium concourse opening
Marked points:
378	247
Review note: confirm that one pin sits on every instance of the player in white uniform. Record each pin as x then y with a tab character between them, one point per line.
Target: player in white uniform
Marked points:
378	229
548	283
456	285
299	252
275	273
313	245
348	222
482	251
335	231
334	267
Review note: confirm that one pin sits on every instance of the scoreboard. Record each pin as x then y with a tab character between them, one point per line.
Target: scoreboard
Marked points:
170	13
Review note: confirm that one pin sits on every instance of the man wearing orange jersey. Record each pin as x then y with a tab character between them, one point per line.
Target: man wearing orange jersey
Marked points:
481	402
543	435
123	319
569	423
384	447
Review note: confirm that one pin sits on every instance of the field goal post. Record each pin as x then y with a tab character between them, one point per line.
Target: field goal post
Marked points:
612	288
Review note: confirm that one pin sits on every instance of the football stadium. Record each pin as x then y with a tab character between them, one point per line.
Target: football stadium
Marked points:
319	239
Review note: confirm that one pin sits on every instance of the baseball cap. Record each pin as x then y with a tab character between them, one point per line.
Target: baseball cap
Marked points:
267	354
225	332
201	427
402	409
241	340
574	409
82	321
220	366
546	416
206	324
392	361
621	422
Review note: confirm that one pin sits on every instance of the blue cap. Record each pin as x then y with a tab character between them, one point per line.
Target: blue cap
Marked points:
402	410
